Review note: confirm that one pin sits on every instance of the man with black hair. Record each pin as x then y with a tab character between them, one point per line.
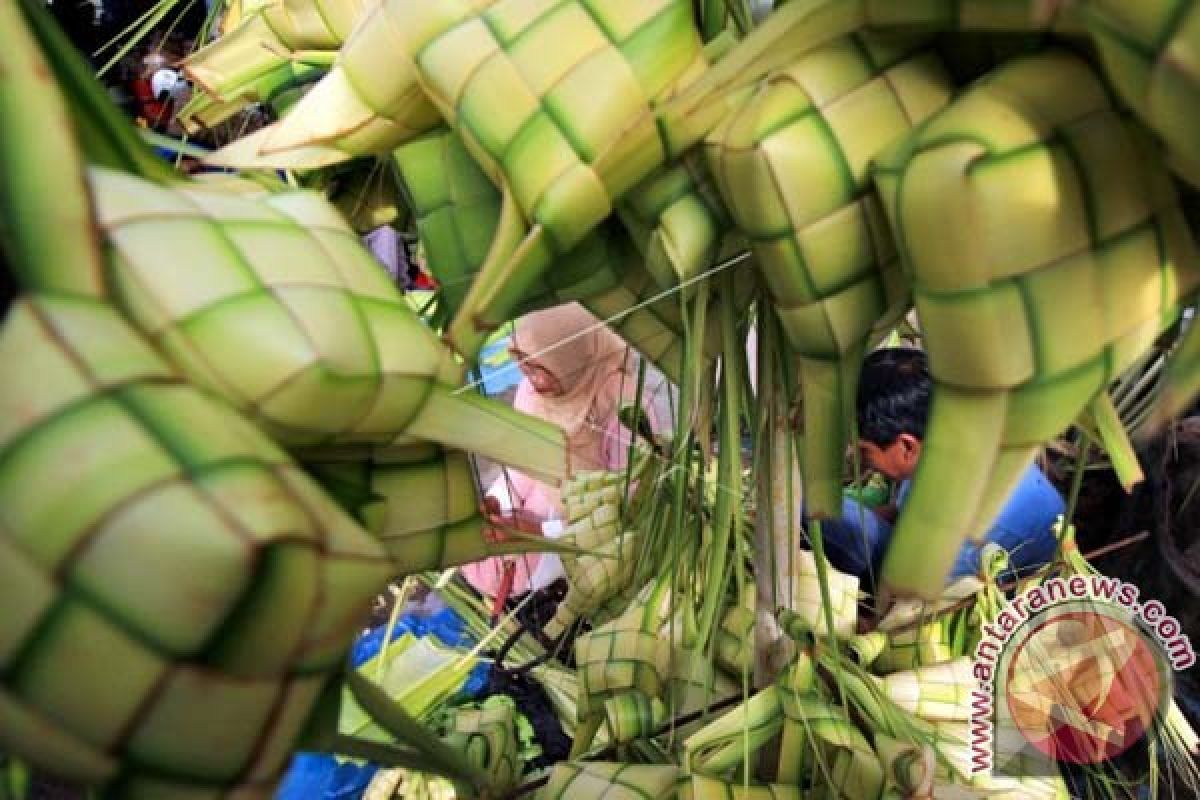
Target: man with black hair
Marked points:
893	400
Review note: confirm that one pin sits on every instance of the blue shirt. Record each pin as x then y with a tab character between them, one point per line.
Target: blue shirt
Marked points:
1024	527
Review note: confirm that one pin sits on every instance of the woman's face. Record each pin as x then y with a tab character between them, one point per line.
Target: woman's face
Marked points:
542	380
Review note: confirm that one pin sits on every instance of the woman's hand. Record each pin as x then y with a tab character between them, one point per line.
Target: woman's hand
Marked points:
500	522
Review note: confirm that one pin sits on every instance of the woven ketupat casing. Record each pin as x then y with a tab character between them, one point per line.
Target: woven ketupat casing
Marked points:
430	517
488	739
272	303
595	578
247	64
592	501
586	493
677	220
631	715
924	643
699	787
734	637
695	683
628	656
221	70
934	692
540	91
1046	250
572	779
275	304
725	742
556	102
792	165
915	634
821	744
373	98
807	602
176	590
456	208
421	503
313	24
279	87
1152	56
1151	52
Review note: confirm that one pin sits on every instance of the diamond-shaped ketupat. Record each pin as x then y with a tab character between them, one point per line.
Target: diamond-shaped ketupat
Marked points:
177	590
1014	356
274	304
792	165
254	57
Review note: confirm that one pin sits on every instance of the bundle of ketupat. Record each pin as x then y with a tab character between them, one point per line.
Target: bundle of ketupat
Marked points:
195	570
844	731
915	633
793	165
685	98
280	44
287	287
1095	229
1031	302
457	211
271	302
546	101
604	566
623	675
525	101
158	664
878	715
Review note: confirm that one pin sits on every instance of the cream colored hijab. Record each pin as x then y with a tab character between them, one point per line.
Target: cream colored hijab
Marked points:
592	364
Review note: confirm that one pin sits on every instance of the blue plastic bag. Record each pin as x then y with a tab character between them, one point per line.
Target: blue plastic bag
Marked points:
319	776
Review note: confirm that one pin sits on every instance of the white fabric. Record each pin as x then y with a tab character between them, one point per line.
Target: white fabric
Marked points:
164	80
549	567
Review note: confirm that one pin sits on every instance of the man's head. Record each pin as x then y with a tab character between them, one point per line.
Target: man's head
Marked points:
893	406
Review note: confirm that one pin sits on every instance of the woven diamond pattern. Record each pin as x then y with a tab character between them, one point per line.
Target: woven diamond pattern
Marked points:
1030	302
166	568
792	165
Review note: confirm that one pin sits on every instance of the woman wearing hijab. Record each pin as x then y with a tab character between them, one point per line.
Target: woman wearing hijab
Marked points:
576	374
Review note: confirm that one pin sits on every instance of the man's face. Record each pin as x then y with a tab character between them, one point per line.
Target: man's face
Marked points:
897	461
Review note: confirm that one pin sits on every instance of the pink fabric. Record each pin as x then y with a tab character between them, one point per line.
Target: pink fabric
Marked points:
612	440
592	367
